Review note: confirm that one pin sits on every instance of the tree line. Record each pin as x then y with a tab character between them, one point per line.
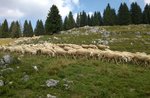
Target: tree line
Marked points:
54	22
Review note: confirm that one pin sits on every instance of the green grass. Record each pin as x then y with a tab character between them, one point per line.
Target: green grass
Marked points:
91	79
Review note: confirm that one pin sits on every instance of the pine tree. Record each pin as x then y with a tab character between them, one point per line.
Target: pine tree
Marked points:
53	22
39	29
5	30
146	14
136	13
89	20
109	16
30	29
92	21
16	30
97	19
71	21
83	19
124	17
78	20
12	23
25	29
65	25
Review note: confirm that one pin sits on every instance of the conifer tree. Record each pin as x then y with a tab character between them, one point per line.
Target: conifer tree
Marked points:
78	20
39	29
16	30
5	30
25	29
71	21
83	19
30	29
65	25
124	17
109	16
136	13
146	14
53	22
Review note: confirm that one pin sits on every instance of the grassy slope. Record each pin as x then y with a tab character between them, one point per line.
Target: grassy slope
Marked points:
91	78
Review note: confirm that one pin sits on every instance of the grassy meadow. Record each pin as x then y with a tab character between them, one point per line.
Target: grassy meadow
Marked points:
90	78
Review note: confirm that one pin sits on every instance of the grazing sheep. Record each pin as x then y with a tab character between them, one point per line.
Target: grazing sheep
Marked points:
89	46
100	52
102	47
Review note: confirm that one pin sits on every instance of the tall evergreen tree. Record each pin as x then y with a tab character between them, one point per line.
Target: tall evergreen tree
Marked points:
78	20
146	14
89	20
5	30
71	21
83	19
30	29
53	22
65	25
25	29
97	19
39	29
124	17
16	30
136	13
109	16
12	23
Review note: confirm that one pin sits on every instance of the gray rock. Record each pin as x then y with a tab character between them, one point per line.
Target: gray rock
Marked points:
25	78
51	96
51	83
7	59
1	83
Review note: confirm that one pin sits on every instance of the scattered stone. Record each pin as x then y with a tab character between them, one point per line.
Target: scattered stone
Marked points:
25	78
106	34
66	86
56	38
10	83
17	67
35	68
52	83
7	59
51	96
67	81
148	33
1	83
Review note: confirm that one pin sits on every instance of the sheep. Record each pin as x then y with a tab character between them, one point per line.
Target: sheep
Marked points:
60	51
89	46
83	53
46	51
102	47
66	48
30	51
99	52
72	53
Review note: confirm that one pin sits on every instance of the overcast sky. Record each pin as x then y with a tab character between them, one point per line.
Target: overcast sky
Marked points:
38	9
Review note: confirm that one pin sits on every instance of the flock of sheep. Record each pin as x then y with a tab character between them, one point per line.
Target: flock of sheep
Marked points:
100	52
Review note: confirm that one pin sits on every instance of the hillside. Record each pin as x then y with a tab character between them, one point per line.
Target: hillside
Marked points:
39	75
